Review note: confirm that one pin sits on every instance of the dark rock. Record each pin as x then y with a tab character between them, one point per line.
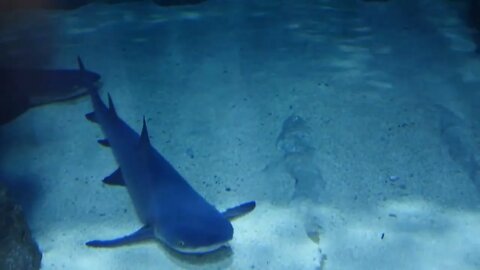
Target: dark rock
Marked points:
474	14
50	4
473	19
73	4
17	248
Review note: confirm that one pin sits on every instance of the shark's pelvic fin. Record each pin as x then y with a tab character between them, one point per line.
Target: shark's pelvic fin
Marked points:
143	234
240	210
115	179
91	117
104	142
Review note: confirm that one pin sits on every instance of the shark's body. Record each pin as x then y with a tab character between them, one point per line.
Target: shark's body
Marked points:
170	209
460	143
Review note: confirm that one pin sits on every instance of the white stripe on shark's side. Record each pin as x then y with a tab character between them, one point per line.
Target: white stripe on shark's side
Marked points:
201	250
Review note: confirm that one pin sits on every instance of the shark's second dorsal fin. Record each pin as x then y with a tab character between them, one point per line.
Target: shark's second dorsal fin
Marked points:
111	107
144	139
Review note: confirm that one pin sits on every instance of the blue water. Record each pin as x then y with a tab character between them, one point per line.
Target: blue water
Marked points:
354	125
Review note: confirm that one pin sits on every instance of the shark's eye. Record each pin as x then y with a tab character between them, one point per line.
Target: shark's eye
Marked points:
181	243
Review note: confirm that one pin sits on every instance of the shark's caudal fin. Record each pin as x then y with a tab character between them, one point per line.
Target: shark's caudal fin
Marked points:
143	234
240	210
92	91
98	105
81	67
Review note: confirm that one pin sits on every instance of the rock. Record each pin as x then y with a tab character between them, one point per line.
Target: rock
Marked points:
17	248
473	19
295	141
474	14
295	136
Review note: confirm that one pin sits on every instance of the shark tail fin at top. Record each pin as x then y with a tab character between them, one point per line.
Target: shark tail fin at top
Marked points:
91	89
81	67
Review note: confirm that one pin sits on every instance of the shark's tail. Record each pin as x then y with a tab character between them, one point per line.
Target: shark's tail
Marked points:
92	89
99	106
475	174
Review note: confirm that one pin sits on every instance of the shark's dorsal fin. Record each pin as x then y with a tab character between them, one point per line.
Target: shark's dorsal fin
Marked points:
80	64
144	138
111	107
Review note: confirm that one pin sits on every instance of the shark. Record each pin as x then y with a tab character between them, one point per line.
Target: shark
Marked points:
170	210
24	88
460	142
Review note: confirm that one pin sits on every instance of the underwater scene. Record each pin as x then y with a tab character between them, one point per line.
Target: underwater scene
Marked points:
240	134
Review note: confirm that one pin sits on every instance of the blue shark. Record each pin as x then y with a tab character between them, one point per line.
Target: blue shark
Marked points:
22	89
460	143
170	210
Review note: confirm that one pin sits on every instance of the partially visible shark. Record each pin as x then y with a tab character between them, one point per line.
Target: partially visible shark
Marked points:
22	89
460	143
170	209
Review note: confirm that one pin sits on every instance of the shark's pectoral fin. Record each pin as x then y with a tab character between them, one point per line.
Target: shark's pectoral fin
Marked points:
91	117
104	142
240	210
143	234
115	179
